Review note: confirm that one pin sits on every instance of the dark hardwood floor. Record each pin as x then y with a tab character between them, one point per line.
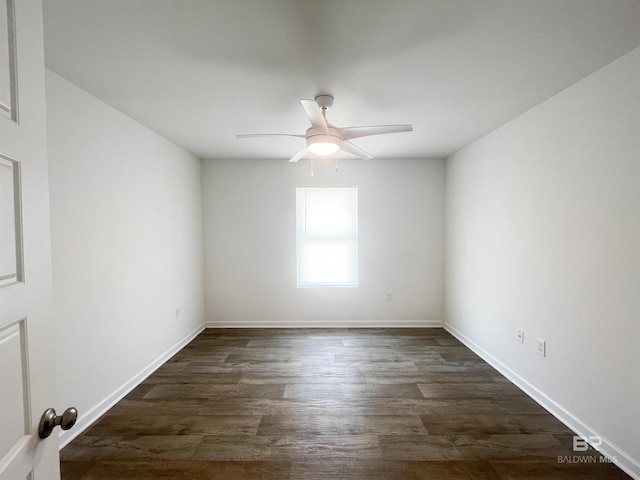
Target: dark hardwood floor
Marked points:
307	404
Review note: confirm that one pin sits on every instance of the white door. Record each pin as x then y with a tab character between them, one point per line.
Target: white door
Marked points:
26	330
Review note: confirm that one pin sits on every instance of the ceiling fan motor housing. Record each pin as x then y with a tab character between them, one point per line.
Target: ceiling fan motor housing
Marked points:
324	101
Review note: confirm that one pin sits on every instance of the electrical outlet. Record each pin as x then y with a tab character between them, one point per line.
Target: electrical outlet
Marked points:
520	336
388	298
541	347
177	313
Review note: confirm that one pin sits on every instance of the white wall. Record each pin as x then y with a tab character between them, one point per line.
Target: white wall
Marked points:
251	244
126	214
543	234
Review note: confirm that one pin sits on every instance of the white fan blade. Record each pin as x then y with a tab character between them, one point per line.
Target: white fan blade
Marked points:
355	150
349	133
255	135
314	113
299	155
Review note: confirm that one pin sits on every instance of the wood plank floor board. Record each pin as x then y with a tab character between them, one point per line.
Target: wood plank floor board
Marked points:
295	341
328	403
325	368
377	355
185	378
469	447
178	470
286	447
132	446
429	378
176	425
255	356
543	469
213	367
468	390
172	366
352	406
351	391
479	424
313	378
392	470
141	407
341	425
215	391
443	367
75	470
139	392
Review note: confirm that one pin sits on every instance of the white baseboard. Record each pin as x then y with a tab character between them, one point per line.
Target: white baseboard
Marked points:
625	462
86	419
326	324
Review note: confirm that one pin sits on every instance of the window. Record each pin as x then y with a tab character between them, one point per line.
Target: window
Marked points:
327	234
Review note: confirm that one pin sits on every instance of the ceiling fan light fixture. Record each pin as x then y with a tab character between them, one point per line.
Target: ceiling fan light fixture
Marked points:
324	139
323	145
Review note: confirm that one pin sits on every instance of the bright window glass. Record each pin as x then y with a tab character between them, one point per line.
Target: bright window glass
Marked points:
327	233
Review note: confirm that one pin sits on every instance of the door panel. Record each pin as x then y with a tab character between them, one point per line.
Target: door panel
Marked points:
26	330
10	222
8	86
14	396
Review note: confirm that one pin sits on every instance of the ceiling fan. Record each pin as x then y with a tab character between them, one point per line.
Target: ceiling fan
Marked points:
324	139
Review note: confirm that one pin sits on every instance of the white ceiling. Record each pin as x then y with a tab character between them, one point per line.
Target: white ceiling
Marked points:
200	71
